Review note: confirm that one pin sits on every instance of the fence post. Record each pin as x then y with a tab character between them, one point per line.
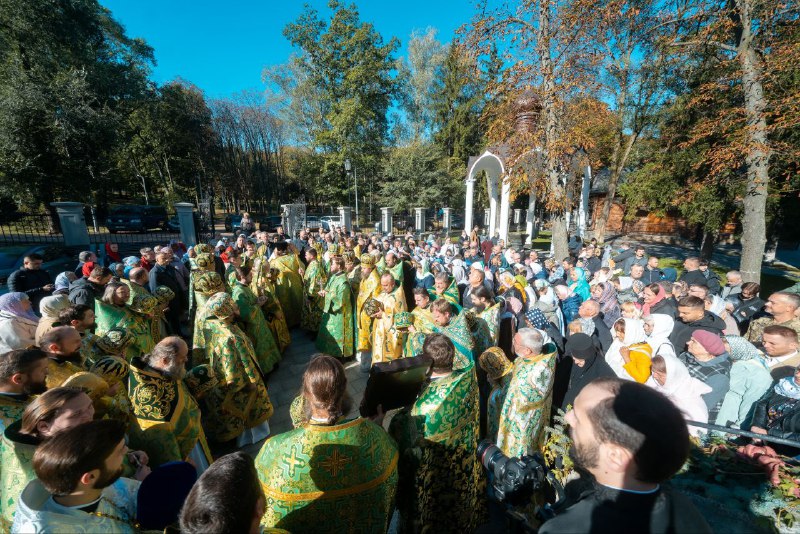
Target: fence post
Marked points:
73	223
186	221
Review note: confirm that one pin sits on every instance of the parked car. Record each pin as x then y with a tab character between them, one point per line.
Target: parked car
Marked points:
270	223
173	225
57	259
136	218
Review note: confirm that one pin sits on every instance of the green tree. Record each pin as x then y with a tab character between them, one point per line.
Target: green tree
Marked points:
68	77
415	175
420	77
350	68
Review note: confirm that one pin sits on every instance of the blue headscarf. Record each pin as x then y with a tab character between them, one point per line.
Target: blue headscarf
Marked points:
63	281
581	286
130	262
11	304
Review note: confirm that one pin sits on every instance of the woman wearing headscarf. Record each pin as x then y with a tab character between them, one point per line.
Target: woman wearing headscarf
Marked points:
424	278
112	255
17	322
63	280
117	271
587	364
50	307
605	294
670	377
130	262
656	300
750	379
629	354
578	285
777	413
658	327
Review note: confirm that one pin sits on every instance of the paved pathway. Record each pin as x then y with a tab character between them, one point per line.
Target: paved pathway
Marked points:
284	384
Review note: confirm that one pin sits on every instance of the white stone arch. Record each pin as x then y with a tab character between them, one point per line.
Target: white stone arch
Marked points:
495	170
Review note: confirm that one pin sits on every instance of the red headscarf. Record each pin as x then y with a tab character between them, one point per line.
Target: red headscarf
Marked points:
661	295
115	256
87	268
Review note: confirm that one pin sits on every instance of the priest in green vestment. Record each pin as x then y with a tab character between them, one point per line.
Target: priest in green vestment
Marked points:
255	324
239	401
167	417
263	286
205	284
336	334
442	485
289	283
113	311
314	280
455	326
422	322
445	287
330	474
498	371
387	340
526	407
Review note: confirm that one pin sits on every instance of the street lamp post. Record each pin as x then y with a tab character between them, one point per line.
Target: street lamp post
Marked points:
348	167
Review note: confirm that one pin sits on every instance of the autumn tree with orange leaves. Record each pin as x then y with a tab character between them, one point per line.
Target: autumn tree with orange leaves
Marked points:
546	50
738	104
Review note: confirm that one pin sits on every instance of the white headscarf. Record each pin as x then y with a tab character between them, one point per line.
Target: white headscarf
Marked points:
634	333
684	391
659	338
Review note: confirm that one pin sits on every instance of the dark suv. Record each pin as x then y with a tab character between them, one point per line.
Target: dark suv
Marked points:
136	218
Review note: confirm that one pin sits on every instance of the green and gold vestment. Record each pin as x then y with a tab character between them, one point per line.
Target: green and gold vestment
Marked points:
329	478
266	349
441	485
167	422
289	287
527	404
336	335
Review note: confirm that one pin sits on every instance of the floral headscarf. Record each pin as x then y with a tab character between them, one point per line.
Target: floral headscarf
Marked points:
11	304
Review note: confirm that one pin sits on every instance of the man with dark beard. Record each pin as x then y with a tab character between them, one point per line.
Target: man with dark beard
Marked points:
78	485
167	425
23	373
63	344
627	440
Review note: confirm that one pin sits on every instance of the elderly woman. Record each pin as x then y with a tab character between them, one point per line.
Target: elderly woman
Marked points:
670	377
605	294
17	322
49	308
63	280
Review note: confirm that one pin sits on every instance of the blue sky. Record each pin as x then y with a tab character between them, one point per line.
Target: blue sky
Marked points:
222	47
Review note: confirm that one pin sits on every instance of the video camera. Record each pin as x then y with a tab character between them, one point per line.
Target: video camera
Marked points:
515	479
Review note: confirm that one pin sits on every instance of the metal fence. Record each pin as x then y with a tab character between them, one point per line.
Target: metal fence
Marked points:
30	228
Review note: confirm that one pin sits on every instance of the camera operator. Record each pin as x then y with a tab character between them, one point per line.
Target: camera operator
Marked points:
630	439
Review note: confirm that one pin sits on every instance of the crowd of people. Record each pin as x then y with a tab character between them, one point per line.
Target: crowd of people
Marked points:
124	381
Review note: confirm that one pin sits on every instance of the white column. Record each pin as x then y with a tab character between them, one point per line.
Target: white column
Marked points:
583	209
419	219
487	220
505	201
492	211
530	218
186	222
447	219
346	214
468	209
517	217
73	223
386	220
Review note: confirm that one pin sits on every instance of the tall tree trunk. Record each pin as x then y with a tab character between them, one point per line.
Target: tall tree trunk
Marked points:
558	200
758	150
707	245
